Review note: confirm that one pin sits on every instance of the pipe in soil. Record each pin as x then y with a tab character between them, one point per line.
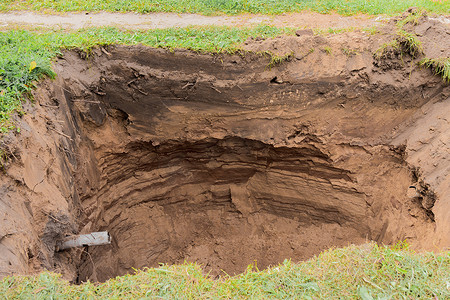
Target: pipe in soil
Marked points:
84	240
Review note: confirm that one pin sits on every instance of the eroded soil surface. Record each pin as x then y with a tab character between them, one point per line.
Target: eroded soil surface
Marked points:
225	159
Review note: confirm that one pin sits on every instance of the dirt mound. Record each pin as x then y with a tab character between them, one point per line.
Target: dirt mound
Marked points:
227	159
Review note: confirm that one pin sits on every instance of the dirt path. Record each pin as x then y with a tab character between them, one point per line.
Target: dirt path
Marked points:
73	21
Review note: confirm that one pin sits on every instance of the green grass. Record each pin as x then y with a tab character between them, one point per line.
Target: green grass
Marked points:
357	272
381	52
328	50
22	61
21	50
410	42
208	7
349	52
440	66
276	60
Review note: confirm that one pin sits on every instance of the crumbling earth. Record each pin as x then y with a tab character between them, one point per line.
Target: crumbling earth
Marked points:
229	159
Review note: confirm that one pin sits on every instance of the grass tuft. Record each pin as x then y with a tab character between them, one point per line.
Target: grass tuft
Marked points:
410	43
328	50
276	60
383	50
440	66
3	159
349	52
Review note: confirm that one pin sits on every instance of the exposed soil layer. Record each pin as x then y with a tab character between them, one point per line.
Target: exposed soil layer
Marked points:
226	159
227	202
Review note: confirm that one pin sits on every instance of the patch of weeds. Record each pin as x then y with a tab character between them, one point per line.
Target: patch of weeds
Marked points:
410	43
400	245
440	66
321	31
349	52
371	30
389	47
328	50
276	60
341	30
3	159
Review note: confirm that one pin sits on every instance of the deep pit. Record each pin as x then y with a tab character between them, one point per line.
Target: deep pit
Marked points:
227	203
222	160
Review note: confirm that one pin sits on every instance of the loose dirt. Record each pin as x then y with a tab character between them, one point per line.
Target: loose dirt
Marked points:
226	159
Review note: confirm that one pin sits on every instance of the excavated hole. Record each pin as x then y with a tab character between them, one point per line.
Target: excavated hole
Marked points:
181	164
225	204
